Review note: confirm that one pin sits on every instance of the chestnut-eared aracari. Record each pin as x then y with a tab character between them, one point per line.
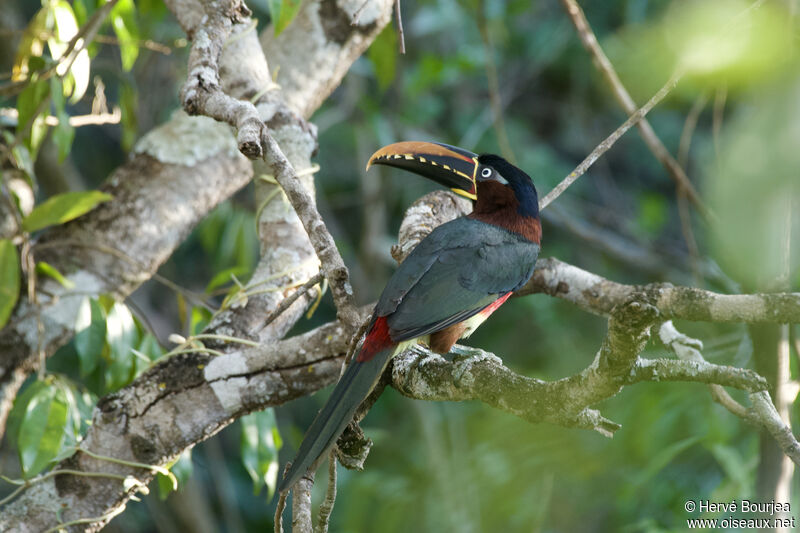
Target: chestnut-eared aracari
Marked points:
450	283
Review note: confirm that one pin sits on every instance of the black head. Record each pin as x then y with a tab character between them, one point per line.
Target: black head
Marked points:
493	169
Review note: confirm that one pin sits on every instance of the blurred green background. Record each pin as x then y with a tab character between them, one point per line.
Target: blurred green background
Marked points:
464	466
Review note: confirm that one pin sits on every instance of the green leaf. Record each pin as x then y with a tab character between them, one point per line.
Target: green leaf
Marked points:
91	337
46	269
81	12
148	347
123	20
30	45
229	248
182	469
71	396
121	335
17	413
260	442
282	13
383	56
29	100
224	277
199	320
662	459
21	157
63	134
9	279
62	208
31	109
42	431
732	463
66	27
128	105
652	212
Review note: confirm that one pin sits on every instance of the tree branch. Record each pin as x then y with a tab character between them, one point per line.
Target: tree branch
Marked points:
624	99
609	141
202	94
151	192
332	264
421	374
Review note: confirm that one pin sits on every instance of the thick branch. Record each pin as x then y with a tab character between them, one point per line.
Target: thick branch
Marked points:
697	371
421	374
598	295
177	403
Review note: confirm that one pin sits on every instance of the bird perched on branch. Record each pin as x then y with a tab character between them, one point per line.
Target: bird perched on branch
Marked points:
451	282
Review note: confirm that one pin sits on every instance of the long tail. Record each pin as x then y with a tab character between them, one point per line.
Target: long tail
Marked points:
355	385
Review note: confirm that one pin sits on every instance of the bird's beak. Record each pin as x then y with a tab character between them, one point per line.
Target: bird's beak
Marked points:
452	167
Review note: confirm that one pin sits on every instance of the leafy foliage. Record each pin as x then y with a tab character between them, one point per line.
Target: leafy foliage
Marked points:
182	469
42	414
282	13
63	208
9	279
260	445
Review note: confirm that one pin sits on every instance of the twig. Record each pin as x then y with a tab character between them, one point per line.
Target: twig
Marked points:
768	415
357	15
92	119
689	126
599	295
95	519
609	141
26	484
332	264
301	504
326	506
292	298
688	349
688	234
400	34
202	93
281	505
351	350
622	96
147	44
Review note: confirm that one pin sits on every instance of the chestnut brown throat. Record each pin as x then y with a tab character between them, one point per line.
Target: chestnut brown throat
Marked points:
498	205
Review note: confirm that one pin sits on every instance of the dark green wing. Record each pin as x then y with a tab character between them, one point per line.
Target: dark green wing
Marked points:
455	272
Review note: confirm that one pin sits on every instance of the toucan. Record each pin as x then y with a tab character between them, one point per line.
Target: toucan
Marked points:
451	282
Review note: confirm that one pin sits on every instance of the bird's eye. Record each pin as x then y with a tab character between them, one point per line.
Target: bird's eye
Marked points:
486	172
